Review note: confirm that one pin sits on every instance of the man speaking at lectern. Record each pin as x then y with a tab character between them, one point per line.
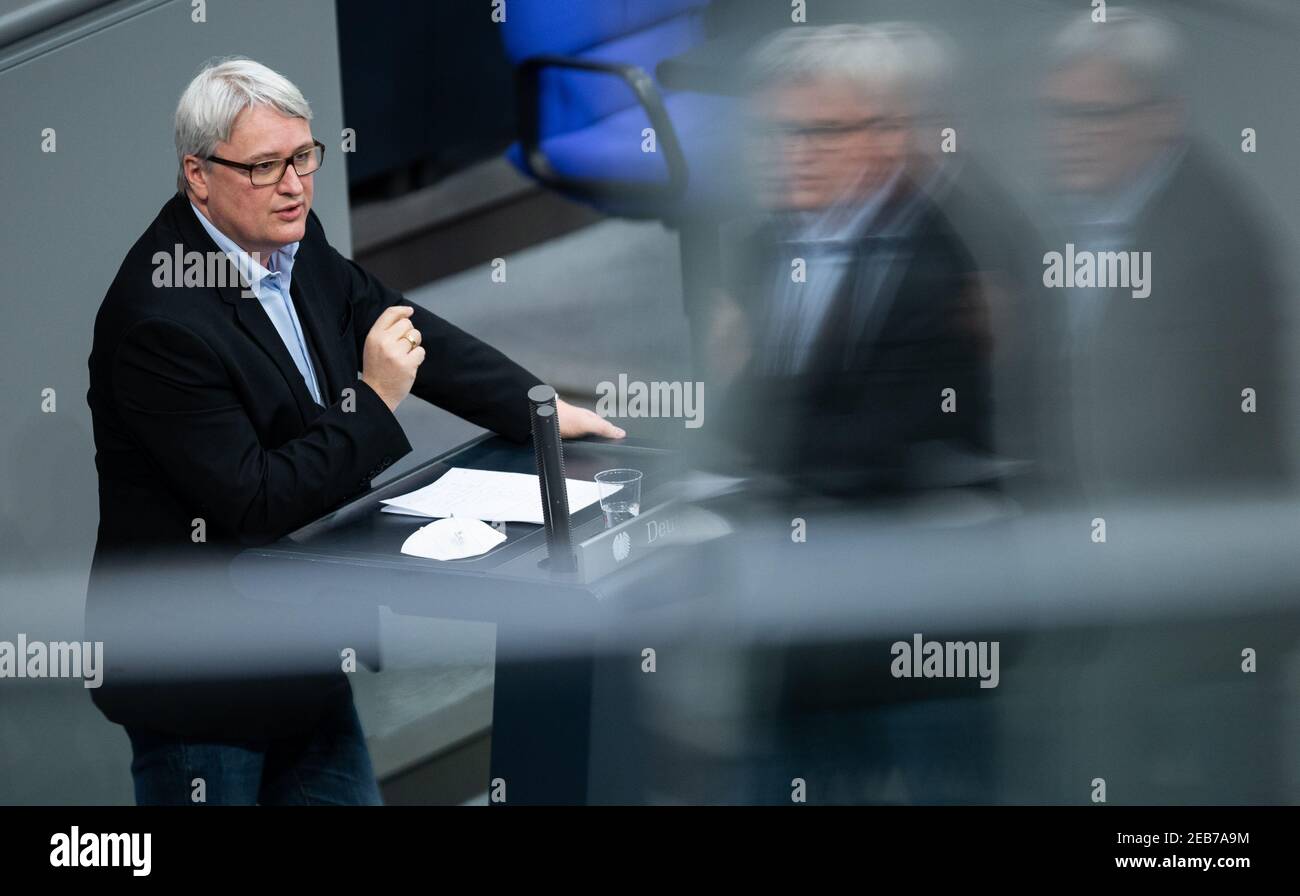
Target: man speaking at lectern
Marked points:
228	412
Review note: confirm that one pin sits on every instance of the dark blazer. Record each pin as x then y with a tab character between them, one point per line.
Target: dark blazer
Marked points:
904	325
199	413
1153	403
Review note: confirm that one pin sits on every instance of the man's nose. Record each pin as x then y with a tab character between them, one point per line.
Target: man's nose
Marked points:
291	183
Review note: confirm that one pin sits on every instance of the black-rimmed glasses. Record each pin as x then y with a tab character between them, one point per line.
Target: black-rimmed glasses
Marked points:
271	171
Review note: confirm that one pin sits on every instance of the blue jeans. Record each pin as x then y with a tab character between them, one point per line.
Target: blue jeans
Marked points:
328	765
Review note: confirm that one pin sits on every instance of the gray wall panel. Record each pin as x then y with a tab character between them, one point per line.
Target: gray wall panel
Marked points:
68	218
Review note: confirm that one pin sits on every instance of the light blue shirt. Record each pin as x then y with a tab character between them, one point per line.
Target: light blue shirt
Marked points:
824	239
271	286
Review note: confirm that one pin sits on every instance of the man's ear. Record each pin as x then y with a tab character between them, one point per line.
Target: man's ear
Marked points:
196	176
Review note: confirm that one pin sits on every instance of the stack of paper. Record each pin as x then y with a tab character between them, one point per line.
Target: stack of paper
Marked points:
487	495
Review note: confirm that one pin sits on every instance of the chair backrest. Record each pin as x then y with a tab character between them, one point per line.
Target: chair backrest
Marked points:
637	32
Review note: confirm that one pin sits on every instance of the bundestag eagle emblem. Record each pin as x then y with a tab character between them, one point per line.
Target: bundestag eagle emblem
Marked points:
622	546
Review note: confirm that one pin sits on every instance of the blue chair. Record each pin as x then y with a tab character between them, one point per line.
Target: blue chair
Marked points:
585	96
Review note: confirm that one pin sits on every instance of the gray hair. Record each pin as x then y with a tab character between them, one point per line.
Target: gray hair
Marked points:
1149	49
223	89
895	57
931	59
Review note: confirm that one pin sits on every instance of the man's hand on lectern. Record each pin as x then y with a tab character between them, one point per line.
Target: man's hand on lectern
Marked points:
576	422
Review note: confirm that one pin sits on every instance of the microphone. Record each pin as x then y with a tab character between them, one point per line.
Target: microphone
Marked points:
549	453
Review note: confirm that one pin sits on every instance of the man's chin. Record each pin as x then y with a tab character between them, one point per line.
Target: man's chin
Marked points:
802	199
1082	178
293	232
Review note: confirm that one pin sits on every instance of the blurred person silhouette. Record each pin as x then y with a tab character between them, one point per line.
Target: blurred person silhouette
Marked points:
1160	306
849	301
851	307
1151	388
